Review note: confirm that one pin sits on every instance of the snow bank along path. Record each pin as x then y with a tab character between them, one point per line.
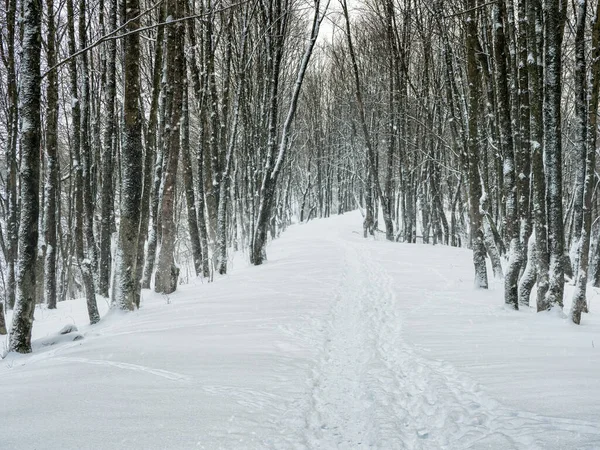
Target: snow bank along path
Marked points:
336	343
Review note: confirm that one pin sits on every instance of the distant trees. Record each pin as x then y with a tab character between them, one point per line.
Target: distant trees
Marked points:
492	98
276	16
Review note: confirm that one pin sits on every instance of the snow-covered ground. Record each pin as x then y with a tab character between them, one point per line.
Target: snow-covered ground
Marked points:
336	343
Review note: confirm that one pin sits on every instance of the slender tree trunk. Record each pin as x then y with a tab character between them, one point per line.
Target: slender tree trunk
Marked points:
11	154
506	135
215	121
158	90
274	164
275	18
529	274
523	153
84	209
224	187
106	190
593	112
202	211
581	108
553	150
188	182
85	147
149	156
52	178
387	199
226	175
199	81
474	79
489	238
534	72
29	101
167	272
77	171
126	286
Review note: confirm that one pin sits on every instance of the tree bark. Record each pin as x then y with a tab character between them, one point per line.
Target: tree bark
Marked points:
523	153
511	278
578	305
84	210
553	150
52	174
12	225
126	286
29	101
188	182
106	190
534	72
474	80
226	174
167	272
149	157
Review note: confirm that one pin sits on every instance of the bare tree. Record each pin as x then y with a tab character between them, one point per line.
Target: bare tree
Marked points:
276	24
52	186
125	286
474	79
29	101
554	22
167	272
587	143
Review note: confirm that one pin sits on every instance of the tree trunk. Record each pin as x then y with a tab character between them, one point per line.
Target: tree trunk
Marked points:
77	171
52	174
84	210
167	272
511	279
29	101
188	182
579	301
85	147
529	274
593	112
523	153
553	150
126	286
534	68
106	190
474	79
11	154
150	185
226	174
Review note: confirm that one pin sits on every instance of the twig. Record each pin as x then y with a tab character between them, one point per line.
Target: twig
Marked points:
111	36
466	11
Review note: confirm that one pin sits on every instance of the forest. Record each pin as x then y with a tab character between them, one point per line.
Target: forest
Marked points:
144	142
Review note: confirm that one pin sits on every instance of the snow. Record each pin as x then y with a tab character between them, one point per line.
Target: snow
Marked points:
337	342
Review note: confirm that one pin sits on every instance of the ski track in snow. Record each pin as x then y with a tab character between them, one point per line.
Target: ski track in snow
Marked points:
372	390
173	376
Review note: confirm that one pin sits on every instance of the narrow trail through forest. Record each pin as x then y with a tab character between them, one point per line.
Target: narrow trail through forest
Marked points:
373	390
337	342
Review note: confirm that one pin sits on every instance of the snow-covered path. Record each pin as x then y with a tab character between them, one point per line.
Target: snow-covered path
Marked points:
373	390
336	343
